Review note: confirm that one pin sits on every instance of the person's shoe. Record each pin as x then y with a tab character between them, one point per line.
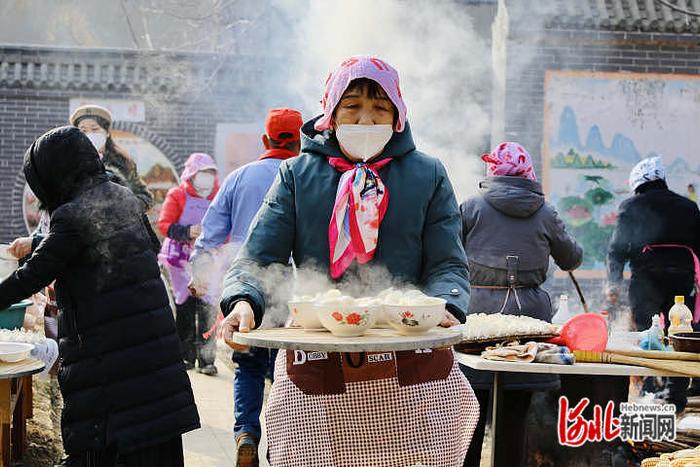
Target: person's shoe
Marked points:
246	451
209	370
189	365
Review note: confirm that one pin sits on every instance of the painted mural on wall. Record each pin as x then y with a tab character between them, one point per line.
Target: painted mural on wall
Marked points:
237	144
155	169
597	126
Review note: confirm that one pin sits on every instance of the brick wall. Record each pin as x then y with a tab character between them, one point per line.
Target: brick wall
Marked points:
36	85
532	53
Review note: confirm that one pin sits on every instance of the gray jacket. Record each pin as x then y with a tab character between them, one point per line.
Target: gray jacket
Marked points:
511	218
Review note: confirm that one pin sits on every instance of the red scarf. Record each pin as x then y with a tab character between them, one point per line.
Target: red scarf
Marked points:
278	153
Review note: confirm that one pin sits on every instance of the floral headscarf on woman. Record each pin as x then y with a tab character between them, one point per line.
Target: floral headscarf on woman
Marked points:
361	198
510	159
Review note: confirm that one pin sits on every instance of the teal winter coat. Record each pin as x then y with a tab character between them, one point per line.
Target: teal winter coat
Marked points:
419	238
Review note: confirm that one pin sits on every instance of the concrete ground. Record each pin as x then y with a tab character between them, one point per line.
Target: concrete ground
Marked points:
213	444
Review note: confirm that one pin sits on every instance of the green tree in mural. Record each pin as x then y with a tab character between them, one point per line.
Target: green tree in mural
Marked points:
579	212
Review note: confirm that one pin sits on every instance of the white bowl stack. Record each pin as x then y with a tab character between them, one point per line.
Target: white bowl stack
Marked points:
409	312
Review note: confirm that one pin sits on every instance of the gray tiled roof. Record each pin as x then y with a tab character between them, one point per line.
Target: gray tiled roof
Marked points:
621	15
124	70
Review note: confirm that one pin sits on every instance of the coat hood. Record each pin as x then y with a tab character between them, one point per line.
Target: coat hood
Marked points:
197	162
513	196
324	143
60	164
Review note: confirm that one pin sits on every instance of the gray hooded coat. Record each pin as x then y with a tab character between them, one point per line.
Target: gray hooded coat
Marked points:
510	218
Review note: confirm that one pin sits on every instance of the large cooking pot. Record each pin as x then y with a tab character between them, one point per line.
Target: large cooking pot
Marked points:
686	342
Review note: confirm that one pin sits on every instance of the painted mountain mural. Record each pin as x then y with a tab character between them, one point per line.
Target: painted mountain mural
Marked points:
620	152
594	154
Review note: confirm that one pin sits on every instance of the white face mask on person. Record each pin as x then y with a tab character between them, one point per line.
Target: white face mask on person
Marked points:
363	142
203	182
98	139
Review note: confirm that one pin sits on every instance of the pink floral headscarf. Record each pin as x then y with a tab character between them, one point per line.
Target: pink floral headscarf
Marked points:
510	159
361	66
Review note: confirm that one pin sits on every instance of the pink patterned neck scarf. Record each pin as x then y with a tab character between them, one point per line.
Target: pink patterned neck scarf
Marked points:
361	201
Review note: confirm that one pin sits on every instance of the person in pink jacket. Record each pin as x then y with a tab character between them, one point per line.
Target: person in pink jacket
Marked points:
180	221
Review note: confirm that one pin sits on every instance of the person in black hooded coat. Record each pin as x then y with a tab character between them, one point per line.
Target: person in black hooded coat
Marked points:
127	397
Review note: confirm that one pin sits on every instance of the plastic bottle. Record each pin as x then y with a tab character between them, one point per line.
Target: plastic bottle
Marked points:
563	314
680	317
654	338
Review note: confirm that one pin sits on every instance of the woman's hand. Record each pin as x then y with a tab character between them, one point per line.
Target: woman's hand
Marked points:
195	231
241	319
21	247
448	320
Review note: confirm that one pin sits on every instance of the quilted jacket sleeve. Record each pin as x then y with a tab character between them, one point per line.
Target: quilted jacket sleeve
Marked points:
445	270
171	211
46	263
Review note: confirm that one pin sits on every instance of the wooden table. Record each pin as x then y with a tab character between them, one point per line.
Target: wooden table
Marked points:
16	406
591	369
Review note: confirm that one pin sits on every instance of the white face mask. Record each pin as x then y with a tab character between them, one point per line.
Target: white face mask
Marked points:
98	139
203	182
363	141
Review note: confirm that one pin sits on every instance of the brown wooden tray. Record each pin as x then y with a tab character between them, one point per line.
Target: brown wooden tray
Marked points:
375	340
476	346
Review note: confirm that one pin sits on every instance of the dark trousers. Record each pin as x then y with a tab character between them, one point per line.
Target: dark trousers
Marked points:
510	432
192	319
249	388
652	293
165	454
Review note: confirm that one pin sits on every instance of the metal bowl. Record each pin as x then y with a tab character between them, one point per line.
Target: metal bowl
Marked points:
686	342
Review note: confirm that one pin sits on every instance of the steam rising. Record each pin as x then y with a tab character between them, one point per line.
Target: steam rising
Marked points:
445	69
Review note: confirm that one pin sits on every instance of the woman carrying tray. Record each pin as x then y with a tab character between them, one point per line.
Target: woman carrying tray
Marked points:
360	193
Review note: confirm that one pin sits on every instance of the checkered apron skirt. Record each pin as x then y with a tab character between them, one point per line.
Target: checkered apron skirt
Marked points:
399	409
